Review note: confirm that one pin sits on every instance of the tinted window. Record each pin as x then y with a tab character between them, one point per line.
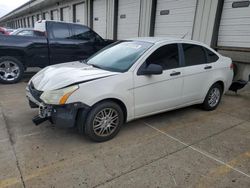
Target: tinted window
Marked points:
166	56
38	33
25	33
194	54
211	56
83	33
60	30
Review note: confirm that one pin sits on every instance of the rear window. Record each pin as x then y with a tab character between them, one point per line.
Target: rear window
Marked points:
60	31
194	54
83	33
211	56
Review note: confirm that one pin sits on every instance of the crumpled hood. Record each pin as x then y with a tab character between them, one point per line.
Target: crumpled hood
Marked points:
61	75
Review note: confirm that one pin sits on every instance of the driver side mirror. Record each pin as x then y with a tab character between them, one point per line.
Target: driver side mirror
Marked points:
151	69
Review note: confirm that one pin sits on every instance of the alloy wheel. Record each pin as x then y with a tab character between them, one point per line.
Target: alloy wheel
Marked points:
105	122
214	97
9	70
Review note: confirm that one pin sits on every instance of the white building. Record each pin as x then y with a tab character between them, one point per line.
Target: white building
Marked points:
223	24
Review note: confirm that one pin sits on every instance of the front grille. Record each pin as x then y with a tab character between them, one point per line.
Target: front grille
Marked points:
35	93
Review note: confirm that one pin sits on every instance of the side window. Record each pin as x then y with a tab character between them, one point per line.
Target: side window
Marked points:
60	31
25	33
38	33
194	54
83	33
167	56
211	56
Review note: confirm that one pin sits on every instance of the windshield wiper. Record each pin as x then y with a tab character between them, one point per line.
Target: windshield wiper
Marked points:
85	61
96	66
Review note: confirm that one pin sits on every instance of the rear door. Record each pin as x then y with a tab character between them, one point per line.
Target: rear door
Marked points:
197	71
86	42
61	47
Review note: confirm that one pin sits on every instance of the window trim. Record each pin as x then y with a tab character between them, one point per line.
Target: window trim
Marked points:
179	54
183	54
67	25
207	57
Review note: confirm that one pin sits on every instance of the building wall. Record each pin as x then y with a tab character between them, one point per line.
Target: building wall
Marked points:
209	21
205	21
202	27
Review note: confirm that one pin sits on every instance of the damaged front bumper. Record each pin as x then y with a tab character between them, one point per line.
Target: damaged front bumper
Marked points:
61	115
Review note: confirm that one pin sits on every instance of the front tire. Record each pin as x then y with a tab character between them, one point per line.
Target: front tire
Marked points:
213	97
104	121
11	70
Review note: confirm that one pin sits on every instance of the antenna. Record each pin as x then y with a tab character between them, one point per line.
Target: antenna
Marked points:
184	35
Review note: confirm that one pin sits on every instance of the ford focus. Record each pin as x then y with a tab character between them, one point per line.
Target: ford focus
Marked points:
127	80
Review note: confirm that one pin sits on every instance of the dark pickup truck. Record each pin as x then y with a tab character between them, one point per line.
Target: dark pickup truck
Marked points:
60	42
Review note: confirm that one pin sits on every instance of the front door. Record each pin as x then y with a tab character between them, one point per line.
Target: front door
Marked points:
155	93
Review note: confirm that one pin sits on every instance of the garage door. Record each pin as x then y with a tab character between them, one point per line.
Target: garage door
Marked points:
65	14
100	17
79	13
54	15
38	17
28	21
175	18
234	28
33	20
128	18
46	16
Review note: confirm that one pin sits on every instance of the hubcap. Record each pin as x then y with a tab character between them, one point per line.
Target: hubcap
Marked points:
9	70
105	122
214	97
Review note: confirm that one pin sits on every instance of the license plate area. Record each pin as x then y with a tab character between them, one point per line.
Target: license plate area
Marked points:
44	111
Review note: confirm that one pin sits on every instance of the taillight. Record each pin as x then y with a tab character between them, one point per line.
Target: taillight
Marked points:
232	66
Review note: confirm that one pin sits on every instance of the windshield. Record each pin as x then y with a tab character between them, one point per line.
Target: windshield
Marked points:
120	56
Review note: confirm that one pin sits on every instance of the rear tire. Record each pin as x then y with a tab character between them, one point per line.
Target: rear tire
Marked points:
11	70
104	121
213	97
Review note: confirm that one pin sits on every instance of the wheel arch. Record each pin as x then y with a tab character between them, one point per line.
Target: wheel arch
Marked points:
17	54
221	83
119	102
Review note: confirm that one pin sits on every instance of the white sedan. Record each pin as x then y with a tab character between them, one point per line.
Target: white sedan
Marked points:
127	80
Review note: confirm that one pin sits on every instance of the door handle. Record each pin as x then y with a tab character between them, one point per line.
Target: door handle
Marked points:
175	73
207	67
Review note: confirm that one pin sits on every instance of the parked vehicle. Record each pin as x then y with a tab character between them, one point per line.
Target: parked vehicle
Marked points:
63	42
9	30
3	31
128	80
28	32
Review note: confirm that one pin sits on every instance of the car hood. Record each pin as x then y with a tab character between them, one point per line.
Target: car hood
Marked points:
62	75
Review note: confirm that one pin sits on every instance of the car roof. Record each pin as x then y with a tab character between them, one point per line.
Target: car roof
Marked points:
58	21
156	40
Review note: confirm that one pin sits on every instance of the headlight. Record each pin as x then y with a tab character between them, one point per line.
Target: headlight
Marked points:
59	96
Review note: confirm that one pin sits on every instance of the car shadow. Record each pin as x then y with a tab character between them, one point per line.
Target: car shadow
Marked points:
27	76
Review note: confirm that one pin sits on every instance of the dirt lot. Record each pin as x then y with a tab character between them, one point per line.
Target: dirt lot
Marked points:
183	148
